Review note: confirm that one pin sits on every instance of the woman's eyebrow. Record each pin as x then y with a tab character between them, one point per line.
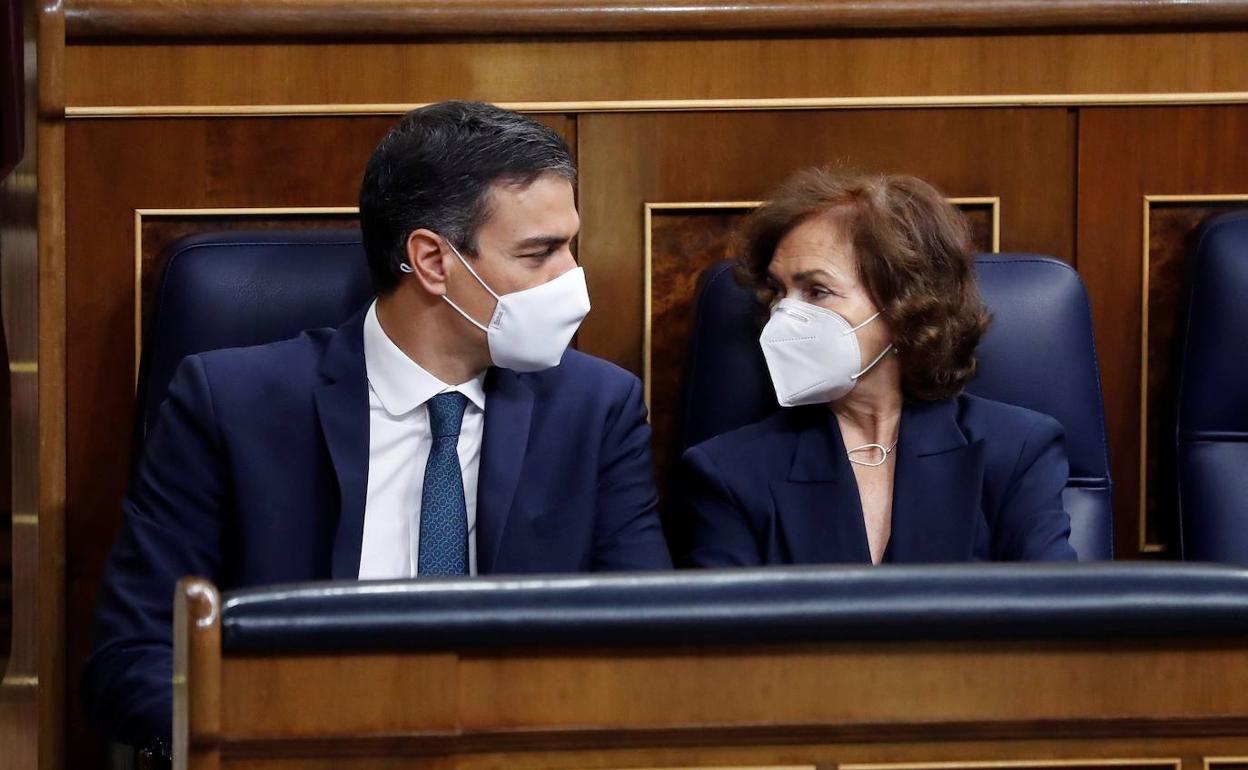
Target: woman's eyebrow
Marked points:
807	275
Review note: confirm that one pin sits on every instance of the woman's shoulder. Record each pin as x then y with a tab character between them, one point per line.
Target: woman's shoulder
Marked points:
998	423
759	443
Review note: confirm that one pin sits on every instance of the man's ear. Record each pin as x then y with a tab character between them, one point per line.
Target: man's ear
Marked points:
426	256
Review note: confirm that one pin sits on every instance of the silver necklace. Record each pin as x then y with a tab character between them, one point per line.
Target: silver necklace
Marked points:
883	450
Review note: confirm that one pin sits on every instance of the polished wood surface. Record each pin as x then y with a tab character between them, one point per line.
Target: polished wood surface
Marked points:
1127	700
979	68
96	19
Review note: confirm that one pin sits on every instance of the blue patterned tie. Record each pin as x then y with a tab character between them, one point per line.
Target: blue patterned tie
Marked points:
443	512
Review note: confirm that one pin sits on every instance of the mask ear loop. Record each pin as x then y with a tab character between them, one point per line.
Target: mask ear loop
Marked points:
878	358
871	365
406	268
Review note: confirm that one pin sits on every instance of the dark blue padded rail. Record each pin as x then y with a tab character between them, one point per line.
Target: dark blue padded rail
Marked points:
1039	354
791	604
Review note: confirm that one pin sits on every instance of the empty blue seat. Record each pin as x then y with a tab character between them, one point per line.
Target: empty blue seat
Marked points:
1212	414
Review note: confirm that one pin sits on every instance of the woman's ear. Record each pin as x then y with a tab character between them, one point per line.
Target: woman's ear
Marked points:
426	261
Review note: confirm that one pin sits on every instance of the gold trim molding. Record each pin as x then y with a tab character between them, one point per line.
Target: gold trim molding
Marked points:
670	105
1149	200
992	201
262	211
1212	762
1038	764
20	681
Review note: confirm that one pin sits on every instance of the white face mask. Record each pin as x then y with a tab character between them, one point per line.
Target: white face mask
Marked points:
531	329
812	353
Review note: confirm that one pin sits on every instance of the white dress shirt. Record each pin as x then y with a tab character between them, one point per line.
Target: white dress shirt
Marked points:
399	441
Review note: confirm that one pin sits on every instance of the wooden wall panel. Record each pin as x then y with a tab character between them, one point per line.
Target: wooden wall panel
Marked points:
1126	154
1026	157
321	75
211	163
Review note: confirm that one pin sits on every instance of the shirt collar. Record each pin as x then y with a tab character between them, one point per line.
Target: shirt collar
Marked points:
400	383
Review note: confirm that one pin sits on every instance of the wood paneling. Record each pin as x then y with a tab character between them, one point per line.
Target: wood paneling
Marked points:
95	19
1124	155
977	67
1024	156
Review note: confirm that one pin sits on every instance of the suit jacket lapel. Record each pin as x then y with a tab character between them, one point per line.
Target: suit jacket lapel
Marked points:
936	487
508	413
817	506
342	407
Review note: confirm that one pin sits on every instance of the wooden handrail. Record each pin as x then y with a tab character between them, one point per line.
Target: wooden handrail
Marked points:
295	19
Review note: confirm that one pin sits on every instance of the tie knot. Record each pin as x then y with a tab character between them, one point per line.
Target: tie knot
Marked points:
446	413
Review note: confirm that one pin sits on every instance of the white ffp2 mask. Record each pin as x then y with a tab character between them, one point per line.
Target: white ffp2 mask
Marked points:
531	329
812	353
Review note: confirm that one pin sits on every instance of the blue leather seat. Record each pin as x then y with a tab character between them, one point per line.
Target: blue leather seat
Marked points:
231	289
1038	354
1212	415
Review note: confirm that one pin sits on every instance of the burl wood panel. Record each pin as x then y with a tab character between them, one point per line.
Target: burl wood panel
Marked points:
1171	230
683	243
1124	155
112	171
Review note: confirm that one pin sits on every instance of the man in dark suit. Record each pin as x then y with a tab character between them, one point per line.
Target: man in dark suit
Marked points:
444	430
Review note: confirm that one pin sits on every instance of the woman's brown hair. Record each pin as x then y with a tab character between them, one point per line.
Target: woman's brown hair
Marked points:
913	253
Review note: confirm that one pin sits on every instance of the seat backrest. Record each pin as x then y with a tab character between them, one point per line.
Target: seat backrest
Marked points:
1038	353
232	289
1212	416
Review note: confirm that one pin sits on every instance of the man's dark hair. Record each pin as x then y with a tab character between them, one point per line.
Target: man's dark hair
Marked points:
434	170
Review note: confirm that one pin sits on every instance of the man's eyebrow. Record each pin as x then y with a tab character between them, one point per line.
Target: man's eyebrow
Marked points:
549	241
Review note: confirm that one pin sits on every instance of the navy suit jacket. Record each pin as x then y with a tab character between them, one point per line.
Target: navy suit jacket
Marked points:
256	472
975	479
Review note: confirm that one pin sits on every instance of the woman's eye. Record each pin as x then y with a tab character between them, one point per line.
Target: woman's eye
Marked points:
819	292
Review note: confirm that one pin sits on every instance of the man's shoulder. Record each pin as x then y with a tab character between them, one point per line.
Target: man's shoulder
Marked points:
291	363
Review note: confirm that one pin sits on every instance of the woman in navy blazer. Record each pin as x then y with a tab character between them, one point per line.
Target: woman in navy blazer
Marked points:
879	455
